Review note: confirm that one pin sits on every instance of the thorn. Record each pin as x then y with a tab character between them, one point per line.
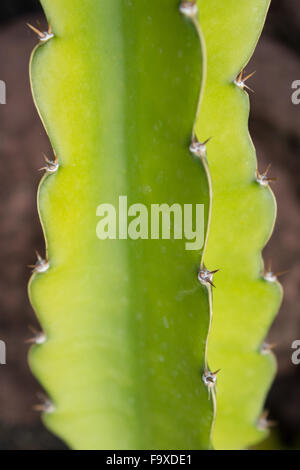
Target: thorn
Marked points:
270	276
273	277
38	337
263	178
205	276
41	264
281	273
46	405
206	141
43	36
189	8
267	348
199	148
35	30
263	422
249	76
51	165
210	379
240	81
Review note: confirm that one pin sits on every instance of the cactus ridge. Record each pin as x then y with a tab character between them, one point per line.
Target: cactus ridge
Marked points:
126	321
243	215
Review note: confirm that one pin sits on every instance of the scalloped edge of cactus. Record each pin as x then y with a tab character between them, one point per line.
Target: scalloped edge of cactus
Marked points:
269	230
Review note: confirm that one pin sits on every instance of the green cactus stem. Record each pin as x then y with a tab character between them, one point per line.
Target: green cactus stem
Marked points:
117	86
243	214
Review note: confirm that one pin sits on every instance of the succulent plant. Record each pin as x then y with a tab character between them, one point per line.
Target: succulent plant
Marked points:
134	333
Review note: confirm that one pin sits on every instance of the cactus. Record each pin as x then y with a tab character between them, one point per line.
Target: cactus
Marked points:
124	354
243	213
126	320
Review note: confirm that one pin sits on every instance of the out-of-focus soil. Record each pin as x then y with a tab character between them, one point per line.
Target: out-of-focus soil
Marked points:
22	142
275	129
275	125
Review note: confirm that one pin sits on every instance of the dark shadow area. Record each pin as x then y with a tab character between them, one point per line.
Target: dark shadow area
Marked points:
11	9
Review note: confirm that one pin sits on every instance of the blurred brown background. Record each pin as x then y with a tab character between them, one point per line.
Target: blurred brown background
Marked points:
274	127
